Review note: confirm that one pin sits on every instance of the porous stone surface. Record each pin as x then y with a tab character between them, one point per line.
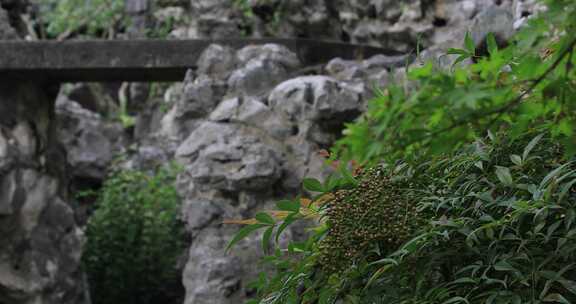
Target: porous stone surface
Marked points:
231	158
318	106
40	243
253	112
40	247
217	61
399	25
251	71
198	97
91	142
261	68
245	152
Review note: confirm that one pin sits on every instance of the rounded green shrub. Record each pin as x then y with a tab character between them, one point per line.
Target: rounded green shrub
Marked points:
134	240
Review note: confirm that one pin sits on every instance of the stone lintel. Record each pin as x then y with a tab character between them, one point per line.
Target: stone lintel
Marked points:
142	60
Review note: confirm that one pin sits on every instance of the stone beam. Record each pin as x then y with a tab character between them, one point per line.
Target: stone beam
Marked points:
141	60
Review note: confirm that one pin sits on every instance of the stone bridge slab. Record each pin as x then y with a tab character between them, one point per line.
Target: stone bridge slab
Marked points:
141	60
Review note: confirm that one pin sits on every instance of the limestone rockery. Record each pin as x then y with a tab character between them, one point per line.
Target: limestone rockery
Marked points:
40	243
247	126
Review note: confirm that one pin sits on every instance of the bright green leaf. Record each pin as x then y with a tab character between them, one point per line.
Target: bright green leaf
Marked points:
243	233
313	185
504	175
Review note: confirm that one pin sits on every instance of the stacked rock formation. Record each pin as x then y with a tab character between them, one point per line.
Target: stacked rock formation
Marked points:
40	243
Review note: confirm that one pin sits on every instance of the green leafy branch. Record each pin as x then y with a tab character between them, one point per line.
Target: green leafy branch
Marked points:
567	52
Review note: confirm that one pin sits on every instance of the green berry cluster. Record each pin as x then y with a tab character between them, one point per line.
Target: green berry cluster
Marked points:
380	210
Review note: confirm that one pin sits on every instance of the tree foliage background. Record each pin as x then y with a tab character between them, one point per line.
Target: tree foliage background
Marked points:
94	17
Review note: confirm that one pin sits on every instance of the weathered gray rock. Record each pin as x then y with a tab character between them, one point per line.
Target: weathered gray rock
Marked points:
230	157
379	62
90	141
239	158
261	68
256	78
314	98
212	275
269	52
525	9
8	187
252	112
200	212
40	253
217	61
368	75
198	98
40	244
319	105
496	20
345	70
251	71
230	172
395	24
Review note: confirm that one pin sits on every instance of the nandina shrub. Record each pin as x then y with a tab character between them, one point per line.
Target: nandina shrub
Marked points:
501	231
493	222
377	211
134	240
